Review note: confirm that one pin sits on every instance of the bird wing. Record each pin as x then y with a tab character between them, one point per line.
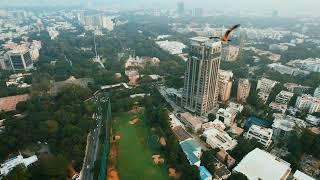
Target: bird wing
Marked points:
227	34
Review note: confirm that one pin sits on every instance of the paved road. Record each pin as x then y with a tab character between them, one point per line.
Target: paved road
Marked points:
92	144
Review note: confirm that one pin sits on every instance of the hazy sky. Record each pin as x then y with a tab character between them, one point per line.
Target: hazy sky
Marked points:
293	7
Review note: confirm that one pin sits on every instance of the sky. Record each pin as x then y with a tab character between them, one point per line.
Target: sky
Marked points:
285	7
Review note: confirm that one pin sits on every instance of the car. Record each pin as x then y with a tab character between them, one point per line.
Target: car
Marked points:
88	166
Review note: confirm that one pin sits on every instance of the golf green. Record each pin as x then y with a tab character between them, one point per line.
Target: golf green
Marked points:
135	149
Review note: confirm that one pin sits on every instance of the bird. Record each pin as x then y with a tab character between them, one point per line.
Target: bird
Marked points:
225	37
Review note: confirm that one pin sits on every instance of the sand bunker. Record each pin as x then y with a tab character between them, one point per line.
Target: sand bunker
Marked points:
134	121
163	141
113	174
173	173
157	159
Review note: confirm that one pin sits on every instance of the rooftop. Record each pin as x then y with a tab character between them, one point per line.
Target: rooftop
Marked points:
204	173
192	150
10	103
259	164
193	120
298	175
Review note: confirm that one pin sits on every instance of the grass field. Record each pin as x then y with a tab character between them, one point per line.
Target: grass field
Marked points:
135	149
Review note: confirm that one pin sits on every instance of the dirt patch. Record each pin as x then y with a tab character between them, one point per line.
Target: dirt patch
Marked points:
153	129
117	137
157	159
113	174
134	121
136	109
162	141
173	173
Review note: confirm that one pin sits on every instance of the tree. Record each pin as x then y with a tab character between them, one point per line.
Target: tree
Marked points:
208	159
238	176
18	173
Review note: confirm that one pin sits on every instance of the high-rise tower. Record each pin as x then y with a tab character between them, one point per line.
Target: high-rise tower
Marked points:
201	75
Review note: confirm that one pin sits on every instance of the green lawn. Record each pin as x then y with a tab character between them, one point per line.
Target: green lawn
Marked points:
134	158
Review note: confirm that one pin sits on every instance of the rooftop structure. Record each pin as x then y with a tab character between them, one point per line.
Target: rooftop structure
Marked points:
217	138
173	47
10	164
260	134
259	164
223	156
10	103
192	150
181	133
214	124
191	121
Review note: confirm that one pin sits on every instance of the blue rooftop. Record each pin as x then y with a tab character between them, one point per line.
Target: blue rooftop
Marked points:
189	147
257	121
204	173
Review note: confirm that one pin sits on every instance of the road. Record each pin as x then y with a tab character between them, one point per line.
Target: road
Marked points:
92	144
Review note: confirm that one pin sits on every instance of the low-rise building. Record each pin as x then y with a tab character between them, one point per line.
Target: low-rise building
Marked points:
214	124
9	103
259	164
313	120
227	116
296	88
217	138
193	122
298	175
317	92
224	156
260	134
282	129
287	69
309	103
278	107
192	150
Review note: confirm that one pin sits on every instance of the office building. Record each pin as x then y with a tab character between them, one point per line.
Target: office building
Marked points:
260	134
243	90
308	102
259	164
224	84
201	75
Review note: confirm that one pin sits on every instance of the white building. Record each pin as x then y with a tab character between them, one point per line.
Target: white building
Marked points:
264	87
313	120
173	47
217	138
310	64
261	165
260	134
10	164
317	92
298	175
278	47
282	128
284	97
227	116
308	102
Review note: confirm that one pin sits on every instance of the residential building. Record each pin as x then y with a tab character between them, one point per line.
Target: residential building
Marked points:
243	90
201	75
192	150
9	103
204	173
193	122
282	128
227	116
213	124
224	84
310	64
278	107
296	88
224	156
278	47
309	103
10	164
259	164
282	69
230	53
284	97
264	87
236	106
217	138
260	134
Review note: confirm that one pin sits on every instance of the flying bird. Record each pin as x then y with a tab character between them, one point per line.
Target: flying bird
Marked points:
226	36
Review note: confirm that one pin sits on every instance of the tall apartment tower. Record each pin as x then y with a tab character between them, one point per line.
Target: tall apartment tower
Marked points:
224	84
201	75
243	90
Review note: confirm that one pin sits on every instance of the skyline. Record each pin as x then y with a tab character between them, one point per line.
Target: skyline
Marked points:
284	7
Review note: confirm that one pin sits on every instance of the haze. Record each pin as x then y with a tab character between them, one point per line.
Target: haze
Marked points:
285	7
